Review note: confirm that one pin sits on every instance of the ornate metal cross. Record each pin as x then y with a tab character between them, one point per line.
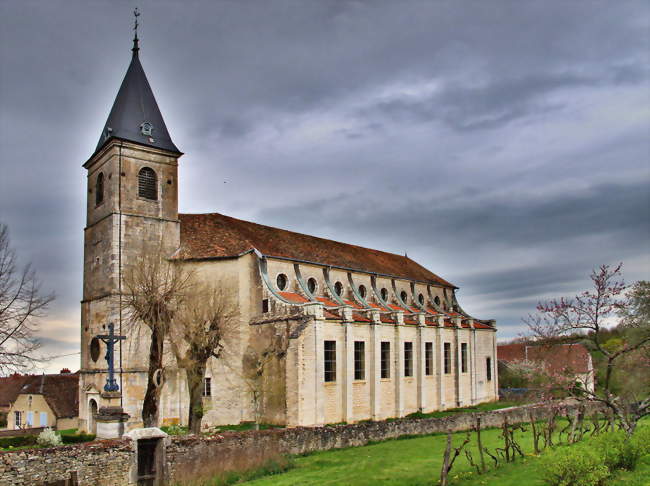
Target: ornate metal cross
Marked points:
110	339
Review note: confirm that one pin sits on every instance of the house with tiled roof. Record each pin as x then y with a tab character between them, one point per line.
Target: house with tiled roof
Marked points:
571	359
44	401
366	334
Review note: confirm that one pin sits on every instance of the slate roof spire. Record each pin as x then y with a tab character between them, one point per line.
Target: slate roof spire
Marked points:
135	116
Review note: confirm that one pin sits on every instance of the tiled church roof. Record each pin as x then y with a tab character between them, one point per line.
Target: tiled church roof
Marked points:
558	357
61	392
214	235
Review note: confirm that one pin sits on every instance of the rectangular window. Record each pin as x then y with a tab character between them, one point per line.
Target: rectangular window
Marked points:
463	357
30	419
265	305
428	359
385	359
408	359
43	417
207	387
330	360
488	368
359	360
447	347
18	420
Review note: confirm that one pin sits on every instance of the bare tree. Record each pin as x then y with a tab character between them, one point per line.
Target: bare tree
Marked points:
154	288
590	313
205	320
22	303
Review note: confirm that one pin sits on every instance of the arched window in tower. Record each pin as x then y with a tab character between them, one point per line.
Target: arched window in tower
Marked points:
147	184
99	189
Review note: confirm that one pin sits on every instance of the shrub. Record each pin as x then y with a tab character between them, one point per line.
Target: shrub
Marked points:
574	467
76	438
618	451
20	441
48	438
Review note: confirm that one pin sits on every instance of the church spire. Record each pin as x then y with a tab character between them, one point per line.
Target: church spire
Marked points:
135	116
136	47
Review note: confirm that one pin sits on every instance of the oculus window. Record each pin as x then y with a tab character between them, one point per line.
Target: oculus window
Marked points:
281	281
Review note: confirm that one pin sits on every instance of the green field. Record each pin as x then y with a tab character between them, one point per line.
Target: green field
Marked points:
417	462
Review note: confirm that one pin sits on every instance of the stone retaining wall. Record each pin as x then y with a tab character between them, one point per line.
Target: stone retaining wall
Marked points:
113	462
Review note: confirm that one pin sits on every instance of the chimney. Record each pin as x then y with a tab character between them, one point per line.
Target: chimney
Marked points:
64	371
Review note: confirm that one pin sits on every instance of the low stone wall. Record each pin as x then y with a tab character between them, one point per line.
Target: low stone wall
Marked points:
113	463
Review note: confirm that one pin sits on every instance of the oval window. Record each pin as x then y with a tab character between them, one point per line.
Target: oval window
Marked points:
94	349
281	281
384	294
338	288
311	285
437	300
404	296
362	291
421	299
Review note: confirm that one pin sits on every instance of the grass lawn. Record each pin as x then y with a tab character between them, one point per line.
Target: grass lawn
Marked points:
417	462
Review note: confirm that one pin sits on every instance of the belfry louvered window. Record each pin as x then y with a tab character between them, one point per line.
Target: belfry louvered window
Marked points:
99	189
147	187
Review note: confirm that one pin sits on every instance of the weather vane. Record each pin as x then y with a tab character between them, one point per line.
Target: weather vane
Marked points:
136	14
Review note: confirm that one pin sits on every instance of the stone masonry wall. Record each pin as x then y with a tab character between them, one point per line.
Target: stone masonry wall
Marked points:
112	463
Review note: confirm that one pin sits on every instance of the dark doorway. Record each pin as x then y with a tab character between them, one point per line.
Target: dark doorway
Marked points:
147	462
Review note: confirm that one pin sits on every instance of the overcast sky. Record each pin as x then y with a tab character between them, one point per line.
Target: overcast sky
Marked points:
502	144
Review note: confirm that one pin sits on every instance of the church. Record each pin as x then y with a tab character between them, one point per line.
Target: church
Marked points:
353	333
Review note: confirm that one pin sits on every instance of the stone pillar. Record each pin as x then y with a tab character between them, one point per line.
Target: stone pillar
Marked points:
420	364
375	369
348	373
319	372
459	395
111	418
472	358
440	363
399	372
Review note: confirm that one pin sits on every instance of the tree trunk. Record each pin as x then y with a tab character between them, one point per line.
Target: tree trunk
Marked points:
195	375
152	395
480	444
445	462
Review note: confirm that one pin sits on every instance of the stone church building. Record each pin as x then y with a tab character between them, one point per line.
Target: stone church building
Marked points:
353	333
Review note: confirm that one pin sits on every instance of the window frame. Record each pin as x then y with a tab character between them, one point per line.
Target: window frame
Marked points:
99	189
150	184
359	360
312	282
281	277
463	357
408	359
207	387
329	361
428	358
384	368
447	358
338	288
488	368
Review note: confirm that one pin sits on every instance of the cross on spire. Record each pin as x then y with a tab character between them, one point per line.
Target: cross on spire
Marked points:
136	47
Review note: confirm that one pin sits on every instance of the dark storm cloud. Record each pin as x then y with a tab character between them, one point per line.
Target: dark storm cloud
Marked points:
503	144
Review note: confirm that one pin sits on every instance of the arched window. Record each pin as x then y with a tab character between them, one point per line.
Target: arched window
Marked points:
362	291
99	189
147	184
282	281
384	294
338	288
404	296
421	299
311	285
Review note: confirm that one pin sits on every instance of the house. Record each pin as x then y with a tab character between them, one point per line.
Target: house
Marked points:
567	359
45	401
366	334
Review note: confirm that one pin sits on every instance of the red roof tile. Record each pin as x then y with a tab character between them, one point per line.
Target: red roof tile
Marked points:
214	235
353	304
328	302
293	297
10	387
386	319
331	315
480	325
358	317
409	320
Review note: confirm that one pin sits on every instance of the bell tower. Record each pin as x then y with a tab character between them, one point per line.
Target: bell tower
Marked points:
132	202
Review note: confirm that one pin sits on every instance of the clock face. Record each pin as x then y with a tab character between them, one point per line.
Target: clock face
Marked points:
146	128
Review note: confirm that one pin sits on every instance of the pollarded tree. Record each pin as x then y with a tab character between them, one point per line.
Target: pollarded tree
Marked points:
154	289
22	304
591	313
205	321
